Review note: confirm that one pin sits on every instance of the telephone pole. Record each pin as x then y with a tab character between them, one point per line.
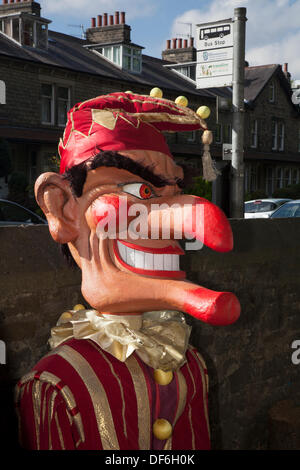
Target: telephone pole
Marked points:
237	161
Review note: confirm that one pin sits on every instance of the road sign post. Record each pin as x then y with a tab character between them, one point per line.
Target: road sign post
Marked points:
237	159
221	63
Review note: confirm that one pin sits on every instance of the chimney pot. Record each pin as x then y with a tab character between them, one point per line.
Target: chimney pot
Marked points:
111	20
99	21
168	43
179	43
5	1
174	41
191	42
11	1
117	17
122	17
93	22
185	42
285	67
105	19
18	1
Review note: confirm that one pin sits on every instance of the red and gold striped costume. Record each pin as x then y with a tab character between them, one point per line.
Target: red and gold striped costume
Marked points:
81	397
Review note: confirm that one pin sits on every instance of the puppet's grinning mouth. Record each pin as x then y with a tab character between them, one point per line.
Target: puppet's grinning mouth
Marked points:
149	262
142	260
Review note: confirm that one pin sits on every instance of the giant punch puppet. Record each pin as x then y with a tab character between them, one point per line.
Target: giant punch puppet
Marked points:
121	374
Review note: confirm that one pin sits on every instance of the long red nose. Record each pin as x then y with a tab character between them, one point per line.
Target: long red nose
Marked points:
198	218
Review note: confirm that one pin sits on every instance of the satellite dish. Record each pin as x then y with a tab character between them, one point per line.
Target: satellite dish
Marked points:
296	96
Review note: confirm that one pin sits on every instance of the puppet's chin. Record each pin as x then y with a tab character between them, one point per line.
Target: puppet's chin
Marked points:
168	288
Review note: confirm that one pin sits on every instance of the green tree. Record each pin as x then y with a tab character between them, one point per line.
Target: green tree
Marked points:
200	188
292	192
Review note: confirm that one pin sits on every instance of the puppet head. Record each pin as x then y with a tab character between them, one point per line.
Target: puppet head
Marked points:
124	216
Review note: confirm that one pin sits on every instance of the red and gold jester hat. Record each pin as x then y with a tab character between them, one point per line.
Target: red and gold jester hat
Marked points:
127	121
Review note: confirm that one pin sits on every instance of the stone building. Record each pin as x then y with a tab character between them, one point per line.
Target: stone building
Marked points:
47	72
272	120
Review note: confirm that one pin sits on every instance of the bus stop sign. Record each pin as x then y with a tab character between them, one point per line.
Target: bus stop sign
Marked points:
214	42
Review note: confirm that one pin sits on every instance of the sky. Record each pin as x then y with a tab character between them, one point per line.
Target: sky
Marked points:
272	28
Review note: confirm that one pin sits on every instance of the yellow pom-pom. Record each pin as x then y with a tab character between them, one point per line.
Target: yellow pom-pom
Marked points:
156	93
66	316
203	112
128	91
78	307
181	101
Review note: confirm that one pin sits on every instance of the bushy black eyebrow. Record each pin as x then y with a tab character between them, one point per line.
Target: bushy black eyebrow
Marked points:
77	174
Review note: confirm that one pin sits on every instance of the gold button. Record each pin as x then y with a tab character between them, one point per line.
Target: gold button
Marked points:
78	307
162	429
163	377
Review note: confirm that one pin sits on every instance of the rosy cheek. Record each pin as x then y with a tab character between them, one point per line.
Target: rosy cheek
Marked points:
109	209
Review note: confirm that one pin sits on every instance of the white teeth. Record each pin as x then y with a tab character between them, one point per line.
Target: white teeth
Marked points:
130	258
175	262
158	262
168	264
148	261
122	251
139	258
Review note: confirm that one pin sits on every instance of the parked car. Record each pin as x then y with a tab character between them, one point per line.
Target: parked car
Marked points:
290	209
12	213
262	208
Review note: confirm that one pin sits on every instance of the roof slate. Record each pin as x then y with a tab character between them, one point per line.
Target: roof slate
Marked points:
65	51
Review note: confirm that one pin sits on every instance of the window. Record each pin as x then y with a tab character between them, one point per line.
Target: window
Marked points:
277	135
227	134
47	104
112	53
56	101
127	57
286	177
28	33
16	29
280	136
218	134
254	133
279	175
270	181
253	178
295	176
272	92
191	136
27	30
186	70
41	36
63	104
132	59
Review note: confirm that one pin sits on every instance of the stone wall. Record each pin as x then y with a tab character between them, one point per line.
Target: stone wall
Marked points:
249	363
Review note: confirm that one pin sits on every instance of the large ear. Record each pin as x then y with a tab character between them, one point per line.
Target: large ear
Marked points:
55	198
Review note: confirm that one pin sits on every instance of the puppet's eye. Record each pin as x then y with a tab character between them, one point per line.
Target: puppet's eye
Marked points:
140	190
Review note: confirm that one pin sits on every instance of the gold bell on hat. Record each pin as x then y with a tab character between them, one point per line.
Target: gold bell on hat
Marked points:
203	112
181	101
156	93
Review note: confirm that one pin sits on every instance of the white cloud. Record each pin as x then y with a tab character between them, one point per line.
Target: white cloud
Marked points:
92	8
272	29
